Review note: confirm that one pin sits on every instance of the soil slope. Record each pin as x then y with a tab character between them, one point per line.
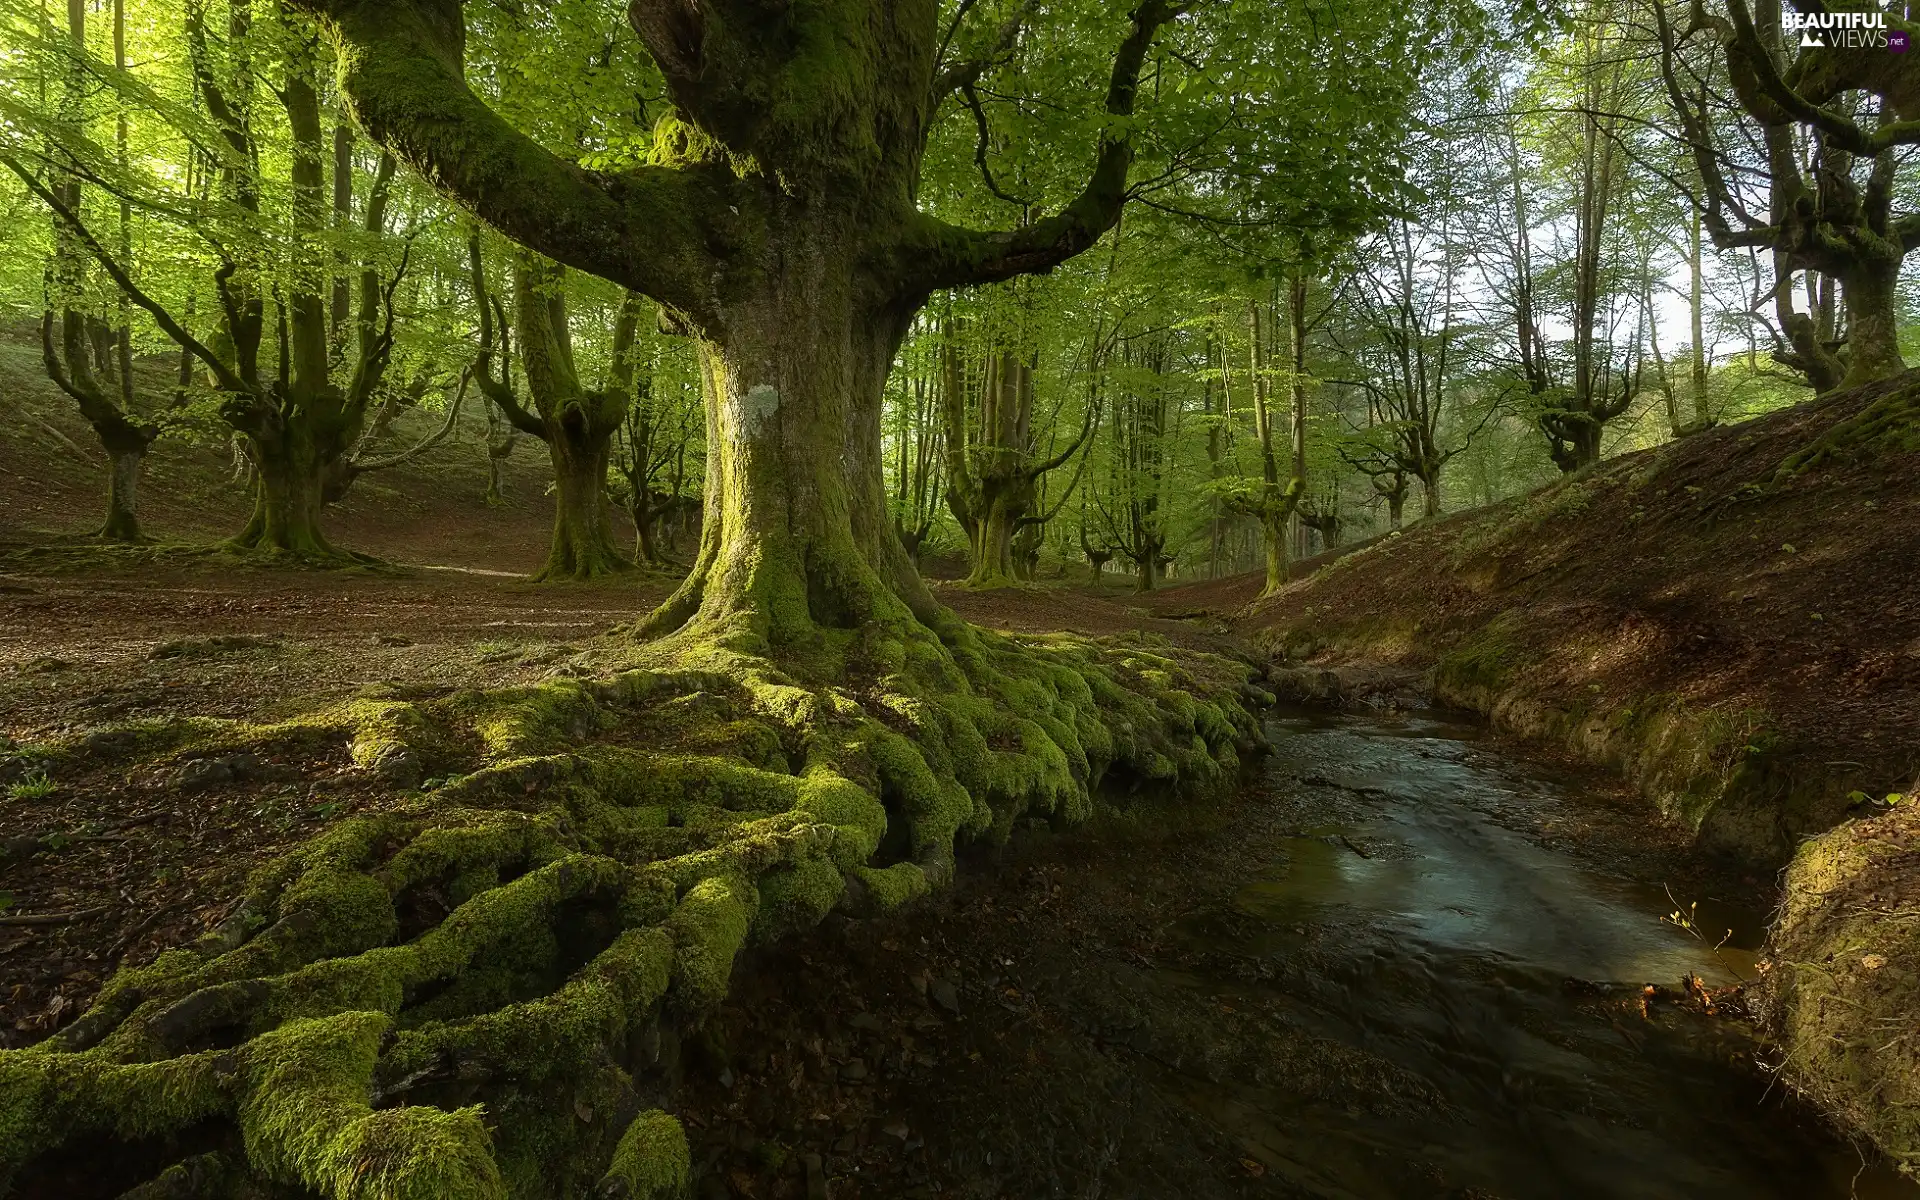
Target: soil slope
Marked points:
1740	640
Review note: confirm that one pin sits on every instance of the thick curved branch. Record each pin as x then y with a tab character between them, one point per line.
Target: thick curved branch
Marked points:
943	255
424	444
401	71
1840	130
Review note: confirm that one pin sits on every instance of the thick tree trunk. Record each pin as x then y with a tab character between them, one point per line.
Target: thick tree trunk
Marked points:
1873	326
123	485
287	500
583	545
1148	577
796	537
993	564
1430	496
1396	508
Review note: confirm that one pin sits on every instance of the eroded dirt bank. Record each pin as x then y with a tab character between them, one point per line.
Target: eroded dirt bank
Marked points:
1730	629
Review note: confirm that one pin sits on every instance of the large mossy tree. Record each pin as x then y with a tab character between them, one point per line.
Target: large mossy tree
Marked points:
778	223
466	992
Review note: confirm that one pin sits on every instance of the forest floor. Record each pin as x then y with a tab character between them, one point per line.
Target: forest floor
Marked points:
823	1059
91	637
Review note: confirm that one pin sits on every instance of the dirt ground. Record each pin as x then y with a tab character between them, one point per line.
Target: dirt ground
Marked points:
123	865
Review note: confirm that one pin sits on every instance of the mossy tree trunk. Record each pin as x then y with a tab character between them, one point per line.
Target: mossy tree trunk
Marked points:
290	459
1276	498
576	423
777	222
125	441
993	475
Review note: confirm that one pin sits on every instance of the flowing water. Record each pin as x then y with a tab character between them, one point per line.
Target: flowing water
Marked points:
1424	918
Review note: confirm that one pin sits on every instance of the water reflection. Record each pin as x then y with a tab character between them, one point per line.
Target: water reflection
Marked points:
1418	918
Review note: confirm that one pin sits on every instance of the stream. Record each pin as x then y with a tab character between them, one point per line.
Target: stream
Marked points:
1422	916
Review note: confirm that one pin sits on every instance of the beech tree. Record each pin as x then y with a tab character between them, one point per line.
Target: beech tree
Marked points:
576	422
1831	121
778	223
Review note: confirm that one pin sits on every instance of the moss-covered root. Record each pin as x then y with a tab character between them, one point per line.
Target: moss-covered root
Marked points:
652	1161
467	995
1843	987
1890	423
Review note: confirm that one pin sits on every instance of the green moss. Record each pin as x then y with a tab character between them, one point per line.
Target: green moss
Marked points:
1845	980
893	887
797	897
708	930
653	866
414	1154
653	1161
1479	664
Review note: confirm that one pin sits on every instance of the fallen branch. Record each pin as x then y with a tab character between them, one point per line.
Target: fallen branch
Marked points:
58	918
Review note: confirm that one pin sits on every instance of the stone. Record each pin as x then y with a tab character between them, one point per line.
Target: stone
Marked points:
945	995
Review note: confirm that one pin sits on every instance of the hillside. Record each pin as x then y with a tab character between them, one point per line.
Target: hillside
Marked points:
431	510
1742	641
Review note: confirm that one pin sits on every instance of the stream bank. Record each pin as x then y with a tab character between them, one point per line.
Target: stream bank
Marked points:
1399	964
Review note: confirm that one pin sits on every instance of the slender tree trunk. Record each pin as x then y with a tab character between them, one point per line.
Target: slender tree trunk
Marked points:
1273	526
1696	311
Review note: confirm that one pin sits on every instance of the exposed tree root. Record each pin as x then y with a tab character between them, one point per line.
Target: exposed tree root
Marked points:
476	993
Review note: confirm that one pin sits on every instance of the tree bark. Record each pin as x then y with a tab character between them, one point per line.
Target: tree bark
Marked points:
583	545
795	536
123	485
1873	321
289	468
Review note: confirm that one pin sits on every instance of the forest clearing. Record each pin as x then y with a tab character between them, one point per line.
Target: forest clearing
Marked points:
841	599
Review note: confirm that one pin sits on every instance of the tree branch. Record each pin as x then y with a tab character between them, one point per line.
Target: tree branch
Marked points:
228	381
403	75
944	255
424	444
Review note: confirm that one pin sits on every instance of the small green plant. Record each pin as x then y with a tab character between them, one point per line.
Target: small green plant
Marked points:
1689	920
36	786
